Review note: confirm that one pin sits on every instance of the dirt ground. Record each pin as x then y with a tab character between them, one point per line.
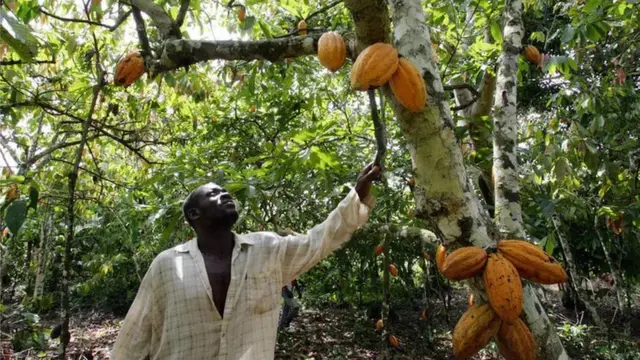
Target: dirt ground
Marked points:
349	334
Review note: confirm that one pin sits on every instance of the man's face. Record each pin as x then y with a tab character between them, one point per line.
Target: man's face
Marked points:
215	205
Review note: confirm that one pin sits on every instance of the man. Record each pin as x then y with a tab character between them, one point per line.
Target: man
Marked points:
216	296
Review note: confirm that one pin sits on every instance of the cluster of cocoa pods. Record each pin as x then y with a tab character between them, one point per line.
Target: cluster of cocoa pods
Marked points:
502	272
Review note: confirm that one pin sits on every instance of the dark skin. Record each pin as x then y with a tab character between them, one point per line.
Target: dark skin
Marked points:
213	219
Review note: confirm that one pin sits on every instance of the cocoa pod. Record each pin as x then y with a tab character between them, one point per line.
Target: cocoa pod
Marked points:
515	341
464	263
504	287
474	330
531	262
441	254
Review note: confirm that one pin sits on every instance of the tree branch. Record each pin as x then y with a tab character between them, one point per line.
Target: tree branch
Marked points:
20	62
95	173
119	21
167	28
324	9
462	86
184	7
464	106
179	53
142	32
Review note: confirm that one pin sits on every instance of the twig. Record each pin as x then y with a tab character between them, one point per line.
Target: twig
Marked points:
184	7
20	62
462	86
119	21
464	106
379	128
455	49
95	173
142	32
324	9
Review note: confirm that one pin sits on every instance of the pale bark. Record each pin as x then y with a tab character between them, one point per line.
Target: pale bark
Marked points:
442	192
508	213
43	255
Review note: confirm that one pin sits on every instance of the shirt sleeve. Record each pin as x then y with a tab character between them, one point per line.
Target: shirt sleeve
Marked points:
134	339
302	252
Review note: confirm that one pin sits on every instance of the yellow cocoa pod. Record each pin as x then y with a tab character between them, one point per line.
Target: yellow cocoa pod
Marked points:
516	342
531	262
374	66
504	287
532	54
408	86
474	330
464	263
441	254
332	51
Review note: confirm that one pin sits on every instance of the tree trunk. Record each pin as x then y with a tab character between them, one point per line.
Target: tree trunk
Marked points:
508	213
573	272
38	288
612	268
73	178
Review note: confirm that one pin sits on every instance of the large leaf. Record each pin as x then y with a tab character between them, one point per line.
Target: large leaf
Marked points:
17	35
16	214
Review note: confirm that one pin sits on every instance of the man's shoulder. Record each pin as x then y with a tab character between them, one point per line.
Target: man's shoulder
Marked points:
171	253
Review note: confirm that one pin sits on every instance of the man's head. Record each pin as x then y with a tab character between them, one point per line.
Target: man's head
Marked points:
208	206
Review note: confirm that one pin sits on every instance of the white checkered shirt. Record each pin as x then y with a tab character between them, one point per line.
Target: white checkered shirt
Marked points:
173	316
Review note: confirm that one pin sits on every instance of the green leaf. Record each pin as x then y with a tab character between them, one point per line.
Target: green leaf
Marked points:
17	35
496	32
550	244
248	23
265	29
568	34
16	214
537	36
591	6
172	225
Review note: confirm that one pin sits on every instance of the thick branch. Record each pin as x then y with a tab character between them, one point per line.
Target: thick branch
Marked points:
20	62
371	20
142	32
179	53
167	28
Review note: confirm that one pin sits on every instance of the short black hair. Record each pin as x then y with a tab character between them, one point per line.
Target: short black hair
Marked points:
189	203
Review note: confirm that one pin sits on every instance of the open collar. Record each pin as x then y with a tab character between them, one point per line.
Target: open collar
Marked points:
192	245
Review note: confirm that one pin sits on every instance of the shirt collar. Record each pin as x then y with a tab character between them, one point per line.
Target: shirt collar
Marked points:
192	245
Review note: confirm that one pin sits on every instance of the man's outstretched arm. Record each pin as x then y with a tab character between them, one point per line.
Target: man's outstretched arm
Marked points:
134	339
302	252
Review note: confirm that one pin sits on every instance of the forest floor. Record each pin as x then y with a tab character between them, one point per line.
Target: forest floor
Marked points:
348	334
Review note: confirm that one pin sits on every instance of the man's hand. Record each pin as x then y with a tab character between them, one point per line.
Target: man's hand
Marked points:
363	185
